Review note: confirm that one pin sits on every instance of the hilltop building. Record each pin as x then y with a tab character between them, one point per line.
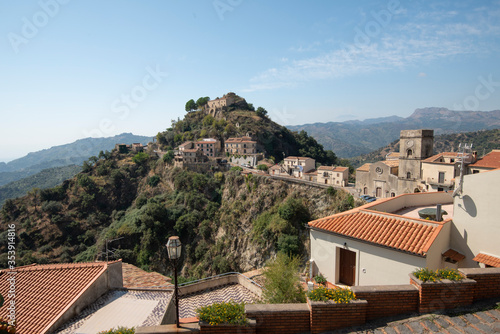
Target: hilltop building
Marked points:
209	146
220	104
240	145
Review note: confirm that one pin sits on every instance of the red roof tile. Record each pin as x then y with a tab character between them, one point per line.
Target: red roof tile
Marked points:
391	163
43	293
389	230
490	160
454	255
364	168
134	278
437	157
297	158
489	260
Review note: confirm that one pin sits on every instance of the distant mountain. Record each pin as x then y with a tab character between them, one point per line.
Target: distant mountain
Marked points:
47	178
63	155
482	141
353	138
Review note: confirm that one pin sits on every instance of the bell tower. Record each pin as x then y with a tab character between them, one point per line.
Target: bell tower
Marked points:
414	146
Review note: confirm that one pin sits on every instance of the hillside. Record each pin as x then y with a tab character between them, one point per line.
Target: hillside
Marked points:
483	142
63	155
354	138
226	221
47	178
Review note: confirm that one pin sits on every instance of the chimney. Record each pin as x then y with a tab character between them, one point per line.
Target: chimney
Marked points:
438	213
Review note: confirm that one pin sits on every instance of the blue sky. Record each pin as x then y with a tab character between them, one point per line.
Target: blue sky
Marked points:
72	69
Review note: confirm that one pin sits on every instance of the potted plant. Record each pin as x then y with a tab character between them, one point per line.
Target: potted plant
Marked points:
230	316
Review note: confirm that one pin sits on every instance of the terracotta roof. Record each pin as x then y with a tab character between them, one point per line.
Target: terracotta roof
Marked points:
340	169
364	168
454	255
436	157
392	155
191	150
311	172
275	167
134	278
389	230
489	260
331	168
206	140
391	163
188	143
490	160
45	292
298	158
240	140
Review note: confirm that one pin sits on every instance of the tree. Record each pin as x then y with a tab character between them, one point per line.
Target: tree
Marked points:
282	282
262	167
261	112
191	105
202	101
140	158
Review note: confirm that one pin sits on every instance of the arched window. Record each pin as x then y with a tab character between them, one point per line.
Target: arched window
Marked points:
365	191
409	153
408	175
393	195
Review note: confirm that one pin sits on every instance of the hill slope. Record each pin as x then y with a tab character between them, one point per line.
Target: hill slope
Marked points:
69	154
47	178
353	138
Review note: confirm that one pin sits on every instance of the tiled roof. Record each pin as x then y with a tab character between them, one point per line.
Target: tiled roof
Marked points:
392	155
44	292
391	163
454	255
134	278
191	150
490	160
389	230
275	167
188	143
364	168
240	140
331	168
340	169
311	172
490	260
297	158
437	157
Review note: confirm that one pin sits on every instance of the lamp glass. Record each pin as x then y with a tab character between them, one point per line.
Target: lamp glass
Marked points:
174	248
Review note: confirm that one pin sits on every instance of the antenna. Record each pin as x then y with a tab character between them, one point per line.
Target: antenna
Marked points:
465	157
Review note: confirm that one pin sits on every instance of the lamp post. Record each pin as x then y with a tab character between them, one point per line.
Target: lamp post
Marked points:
174	253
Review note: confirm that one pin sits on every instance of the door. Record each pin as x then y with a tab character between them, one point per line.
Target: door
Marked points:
347	274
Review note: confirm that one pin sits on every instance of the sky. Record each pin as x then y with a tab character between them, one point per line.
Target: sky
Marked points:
72	69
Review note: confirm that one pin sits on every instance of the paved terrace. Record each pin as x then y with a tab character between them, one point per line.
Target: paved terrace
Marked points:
474	319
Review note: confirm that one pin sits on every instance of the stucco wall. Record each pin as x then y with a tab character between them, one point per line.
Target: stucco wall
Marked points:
476	217
374	265
409	200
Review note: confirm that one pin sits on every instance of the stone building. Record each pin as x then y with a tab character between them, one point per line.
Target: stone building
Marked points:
297	166
333	175
393	177
209	146
219	104
440	170
241	145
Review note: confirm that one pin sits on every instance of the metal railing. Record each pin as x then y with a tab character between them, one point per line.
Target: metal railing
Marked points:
221	275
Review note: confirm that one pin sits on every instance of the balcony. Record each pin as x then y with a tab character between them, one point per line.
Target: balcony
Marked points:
435	182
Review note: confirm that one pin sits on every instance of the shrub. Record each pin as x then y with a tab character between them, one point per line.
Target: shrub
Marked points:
223	313
154	180
320	279
282	280
331	191
140	158
425	274
262	167
236	168
289	244
338	295
52	206
451	274
119	330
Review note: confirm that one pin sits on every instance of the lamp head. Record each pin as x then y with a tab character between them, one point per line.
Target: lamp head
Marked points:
174	248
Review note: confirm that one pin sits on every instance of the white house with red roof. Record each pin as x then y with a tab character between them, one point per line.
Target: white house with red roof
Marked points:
489	162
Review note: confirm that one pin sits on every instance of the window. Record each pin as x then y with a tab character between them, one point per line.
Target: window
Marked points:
475	171
441	177
378	192
408	175
365	191
393	195
409	153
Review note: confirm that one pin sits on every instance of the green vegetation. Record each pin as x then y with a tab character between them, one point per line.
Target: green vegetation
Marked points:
223	313
320	279
427	275
282	282
119	330
338	295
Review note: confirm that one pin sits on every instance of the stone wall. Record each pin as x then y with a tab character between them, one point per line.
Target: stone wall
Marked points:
276	318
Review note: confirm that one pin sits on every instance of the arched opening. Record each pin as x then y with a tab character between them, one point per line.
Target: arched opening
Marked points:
365	191
393	195
408	175
378	192
409	153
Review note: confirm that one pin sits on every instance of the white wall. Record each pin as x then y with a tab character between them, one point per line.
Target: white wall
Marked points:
477	217
382	266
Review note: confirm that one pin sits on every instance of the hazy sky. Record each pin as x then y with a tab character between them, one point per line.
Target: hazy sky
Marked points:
71	69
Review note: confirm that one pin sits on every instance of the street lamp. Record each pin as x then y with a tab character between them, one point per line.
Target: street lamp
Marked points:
174	253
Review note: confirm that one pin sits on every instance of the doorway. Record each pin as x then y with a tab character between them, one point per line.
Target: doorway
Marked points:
347	267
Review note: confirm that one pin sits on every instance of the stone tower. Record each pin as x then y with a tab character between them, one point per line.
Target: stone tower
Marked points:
414	146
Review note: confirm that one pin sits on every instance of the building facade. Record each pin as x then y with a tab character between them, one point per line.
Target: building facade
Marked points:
241	145
220	103
209	146
333	175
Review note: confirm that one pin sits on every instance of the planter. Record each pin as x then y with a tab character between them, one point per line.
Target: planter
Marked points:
327	316
444	294
205	327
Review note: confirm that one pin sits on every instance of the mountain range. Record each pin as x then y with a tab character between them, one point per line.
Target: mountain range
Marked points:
63	155
353	138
